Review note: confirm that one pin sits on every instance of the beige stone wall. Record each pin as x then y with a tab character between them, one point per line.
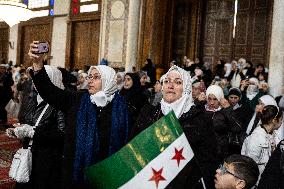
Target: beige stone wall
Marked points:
114	32
13	38
59	33
276	59
119	32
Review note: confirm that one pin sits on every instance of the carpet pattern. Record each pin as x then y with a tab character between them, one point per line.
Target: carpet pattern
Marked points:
8	147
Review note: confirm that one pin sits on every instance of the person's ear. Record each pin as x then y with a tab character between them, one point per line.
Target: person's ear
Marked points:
241	184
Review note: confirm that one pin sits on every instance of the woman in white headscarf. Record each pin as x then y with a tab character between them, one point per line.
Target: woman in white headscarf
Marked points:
223	120
120	79
260	144
251	92
47	134
255	120
227	69
82	81
177	97
96	120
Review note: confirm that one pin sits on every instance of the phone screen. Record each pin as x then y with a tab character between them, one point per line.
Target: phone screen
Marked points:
43	47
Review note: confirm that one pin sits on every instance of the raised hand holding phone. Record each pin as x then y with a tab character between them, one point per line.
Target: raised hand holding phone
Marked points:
36	53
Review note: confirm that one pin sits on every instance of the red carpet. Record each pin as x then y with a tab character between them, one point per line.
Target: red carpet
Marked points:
8	146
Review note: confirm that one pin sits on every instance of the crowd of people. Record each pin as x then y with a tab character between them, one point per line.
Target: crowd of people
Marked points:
235	128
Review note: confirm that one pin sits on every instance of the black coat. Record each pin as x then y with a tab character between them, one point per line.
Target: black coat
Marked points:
240	118
224	123
47	145
6	94
196	126
273	174
69	103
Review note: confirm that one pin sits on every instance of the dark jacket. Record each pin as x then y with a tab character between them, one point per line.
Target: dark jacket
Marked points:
196	126
6	94
232	73
253	102
47	145
151	71
135	97
223	123
69	103
240	118
273	175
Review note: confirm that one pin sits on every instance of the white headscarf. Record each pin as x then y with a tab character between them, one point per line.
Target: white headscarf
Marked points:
281	102
217	91
266	100
228	69
83	85
55	77
162	78
183	104
121	74
242	62
109	87
252	89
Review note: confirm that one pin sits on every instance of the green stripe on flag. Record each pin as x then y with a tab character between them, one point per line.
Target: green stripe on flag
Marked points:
119	168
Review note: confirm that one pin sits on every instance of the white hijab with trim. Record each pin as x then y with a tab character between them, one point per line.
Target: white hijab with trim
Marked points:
55	77
183	104
266	100
109	86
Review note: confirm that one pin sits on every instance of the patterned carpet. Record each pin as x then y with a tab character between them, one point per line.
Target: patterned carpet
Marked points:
8	146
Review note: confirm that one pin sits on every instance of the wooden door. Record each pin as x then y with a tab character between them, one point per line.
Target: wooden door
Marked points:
181	30
217	40
4	43
84	44
36	30
252	31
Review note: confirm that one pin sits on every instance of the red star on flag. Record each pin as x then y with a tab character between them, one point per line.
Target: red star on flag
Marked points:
157	176
178	155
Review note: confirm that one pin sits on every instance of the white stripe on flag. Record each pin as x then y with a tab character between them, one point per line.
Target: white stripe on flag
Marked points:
164	161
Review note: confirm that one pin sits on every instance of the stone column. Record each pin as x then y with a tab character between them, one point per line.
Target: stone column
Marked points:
13	39
132	35
276	59
113	34
59	33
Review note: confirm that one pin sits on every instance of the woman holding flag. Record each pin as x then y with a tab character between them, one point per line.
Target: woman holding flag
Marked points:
177	97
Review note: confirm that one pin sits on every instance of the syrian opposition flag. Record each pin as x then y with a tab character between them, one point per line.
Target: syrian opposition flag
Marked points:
151	160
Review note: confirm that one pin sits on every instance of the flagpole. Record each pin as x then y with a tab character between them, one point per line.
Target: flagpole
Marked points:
203	183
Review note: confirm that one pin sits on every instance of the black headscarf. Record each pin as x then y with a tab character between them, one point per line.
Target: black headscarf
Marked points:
135	88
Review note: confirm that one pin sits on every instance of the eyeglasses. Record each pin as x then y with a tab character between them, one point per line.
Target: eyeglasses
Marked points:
224	170
175	81
93	77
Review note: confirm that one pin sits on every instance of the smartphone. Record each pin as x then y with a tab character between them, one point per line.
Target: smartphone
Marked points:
43	47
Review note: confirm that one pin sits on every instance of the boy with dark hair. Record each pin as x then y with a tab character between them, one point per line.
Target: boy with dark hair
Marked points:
237	172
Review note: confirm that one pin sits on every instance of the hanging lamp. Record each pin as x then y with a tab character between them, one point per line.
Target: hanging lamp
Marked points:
13	11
